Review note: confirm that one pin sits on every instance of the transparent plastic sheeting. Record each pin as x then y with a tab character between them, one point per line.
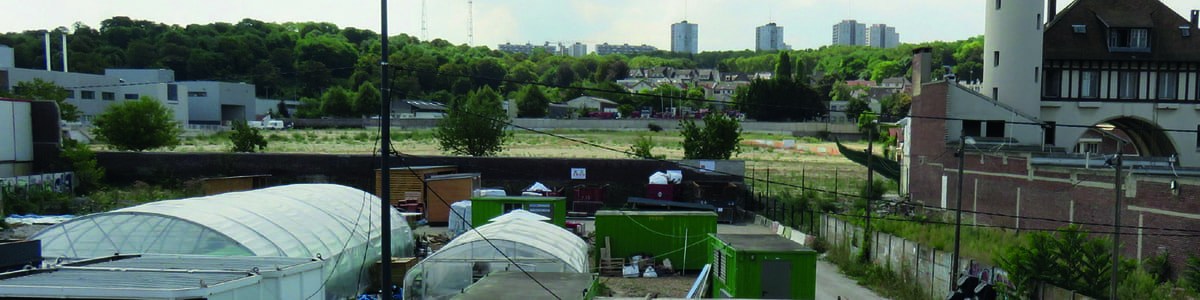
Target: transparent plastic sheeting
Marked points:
535	245
340	224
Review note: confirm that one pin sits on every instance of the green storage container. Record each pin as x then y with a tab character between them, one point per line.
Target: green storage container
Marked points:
762	266
662	234
486	208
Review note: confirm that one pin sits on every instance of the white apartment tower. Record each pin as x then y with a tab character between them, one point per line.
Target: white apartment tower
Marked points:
1012	55
683	37
849	32
882	36
769	38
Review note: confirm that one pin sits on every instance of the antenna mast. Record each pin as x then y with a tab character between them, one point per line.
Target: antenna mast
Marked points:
424	28
470	23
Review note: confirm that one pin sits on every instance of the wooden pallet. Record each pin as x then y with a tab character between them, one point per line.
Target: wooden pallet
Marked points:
612	266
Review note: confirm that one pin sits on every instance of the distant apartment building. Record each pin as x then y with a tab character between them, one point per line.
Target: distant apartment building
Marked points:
626	49
882	36
554	48
528	48
849	32
683	37
769	38
577	49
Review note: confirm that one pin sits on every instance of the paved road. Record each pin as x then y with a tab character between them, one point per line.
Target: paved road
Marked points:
831	284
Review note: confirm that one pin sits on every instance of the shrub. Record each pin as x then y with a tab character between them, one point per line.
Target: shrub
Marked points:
138	125
1191	274
88	172
653	127
642	147
246	139
1159	265
718	139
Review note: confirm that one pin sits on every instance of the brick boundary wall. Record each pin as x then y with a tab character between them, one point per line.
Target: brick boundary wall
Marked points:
1003	186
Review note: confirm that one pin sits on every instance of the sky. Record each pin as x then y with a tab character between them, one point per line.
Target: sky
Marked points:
723	24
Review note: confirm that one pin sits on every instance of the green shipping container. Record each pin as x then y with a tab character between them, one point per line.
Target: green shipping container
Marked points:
486	208
662	234
762	266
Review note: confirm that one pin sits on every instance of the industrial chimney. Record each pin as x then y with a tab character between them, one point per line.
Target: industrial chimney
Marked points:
1051	10
47	38
64	45
1195	17
921	68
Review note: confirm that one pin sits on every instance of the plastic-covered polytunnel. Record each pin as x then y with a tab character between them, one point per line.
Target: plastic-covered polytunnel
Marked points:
339	224
534	245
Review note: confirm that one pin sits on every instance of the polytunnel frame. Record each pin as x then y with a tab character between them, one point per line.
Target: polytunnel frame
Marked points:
92	218
332	222
525	234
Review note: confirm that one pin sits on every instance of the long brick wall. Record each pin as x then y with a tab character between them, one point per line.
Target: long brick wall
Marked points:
1006	190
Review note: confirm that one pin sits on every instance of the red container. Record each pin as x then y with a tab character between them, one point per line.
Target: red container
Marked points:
660	191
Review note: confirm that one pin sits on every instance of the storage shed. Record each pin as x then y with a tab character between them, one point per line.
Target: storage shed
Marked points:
762	266
408	183
661	234
533	245
334	223
484	209
152	276
442	191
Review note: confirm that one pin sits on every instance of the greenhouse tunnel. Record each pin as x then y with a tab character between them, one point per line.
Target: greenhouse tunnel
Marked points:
536	246
338	224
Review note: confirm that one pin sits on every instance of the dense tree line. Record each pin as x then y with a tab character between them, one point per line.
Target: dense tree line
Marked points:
331	68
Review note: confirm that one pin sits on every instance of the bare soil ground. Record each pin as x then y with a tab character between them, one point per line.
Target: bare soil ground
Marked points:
671	287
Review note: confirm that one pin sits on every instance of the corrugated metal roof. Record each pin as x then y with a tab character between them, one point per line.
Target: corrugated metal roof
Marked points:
761	243
115	278
148	276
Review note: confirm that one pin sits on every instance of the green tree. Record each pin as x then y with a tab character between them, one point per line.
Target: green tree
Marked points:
474	126
856	107
337	102
779	100
39	89
718	139
88	173
138	125
366	101
246	138
532	103
310	108
783	67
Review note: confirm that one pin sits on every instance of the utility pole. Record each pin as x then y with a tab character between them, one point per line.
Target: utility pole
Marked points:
385	136
1116	245
870	193
962	142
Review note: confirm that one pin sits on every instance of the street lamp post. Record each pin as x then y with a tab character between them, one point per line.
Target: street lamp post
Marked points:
1116	236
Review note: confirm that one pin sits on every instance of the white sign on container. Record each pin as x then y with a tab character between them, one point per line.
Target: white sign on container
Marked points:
578	173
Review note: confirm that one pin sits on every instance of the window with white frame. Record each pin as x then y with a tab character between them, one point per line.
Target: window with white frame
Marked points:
1089	84
1127	84
1168	85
